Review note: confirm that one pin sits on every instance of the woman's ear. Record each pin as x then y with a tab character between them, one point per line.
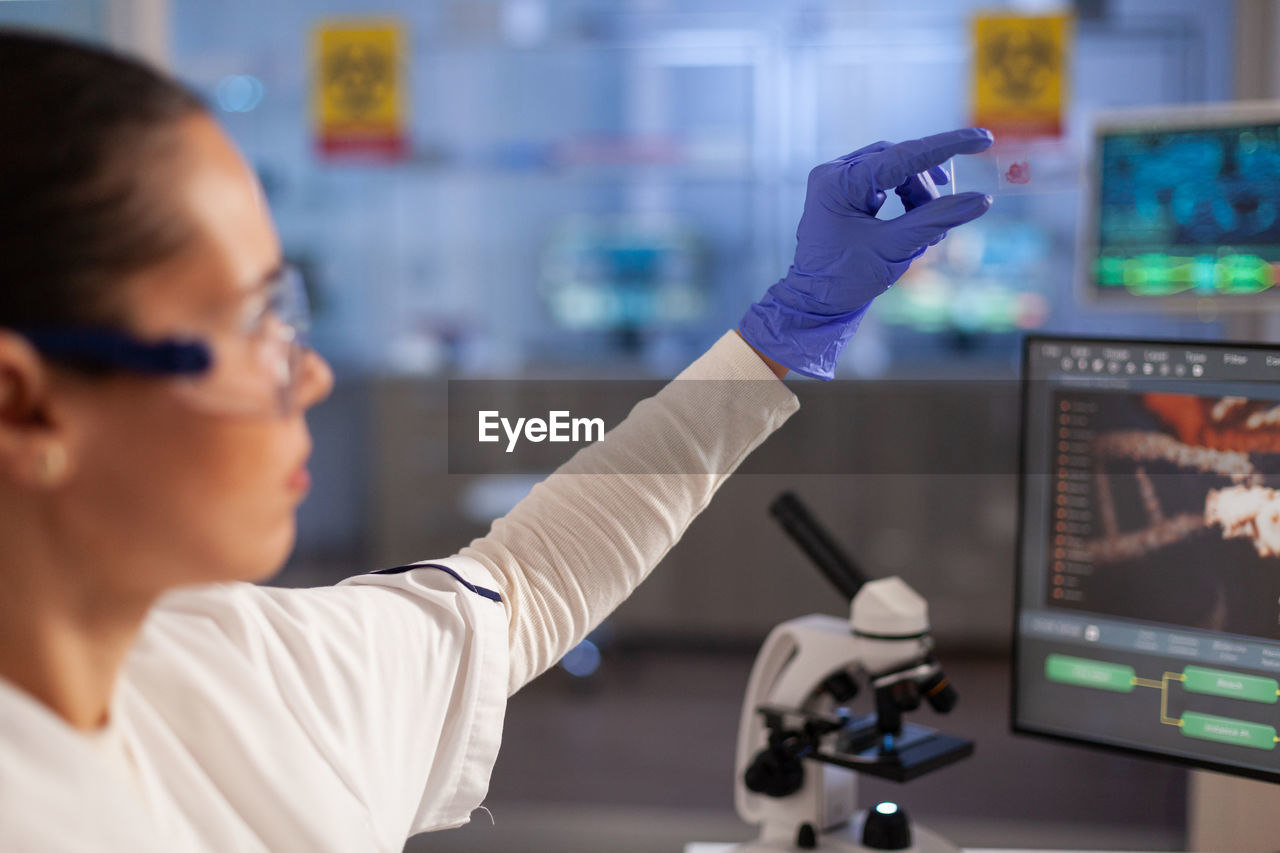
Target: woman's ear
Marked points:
23	379
32	451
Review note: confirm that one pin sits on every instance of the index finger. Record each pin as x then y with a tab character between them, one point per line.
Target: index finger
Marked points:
894	165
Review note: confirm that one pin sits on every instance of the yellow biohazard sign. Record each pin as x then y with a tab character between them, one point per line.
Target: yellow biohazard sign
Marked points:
359	87
1020	66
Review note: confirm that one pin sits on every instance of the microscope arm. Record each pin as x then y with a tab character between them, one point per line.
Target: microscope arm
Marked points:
796	658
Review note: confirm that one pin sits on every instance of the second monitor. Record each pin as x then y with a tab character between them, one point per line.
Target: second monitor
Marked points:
1183	205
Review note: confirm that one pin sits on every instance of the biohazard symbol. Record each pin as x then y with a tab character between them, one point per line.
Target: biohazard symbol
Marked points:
1020	64
359	78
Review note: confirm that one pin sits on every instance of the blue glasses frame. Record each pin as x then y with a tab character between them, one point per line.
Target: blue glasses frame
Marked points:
276	332
121	351
174	356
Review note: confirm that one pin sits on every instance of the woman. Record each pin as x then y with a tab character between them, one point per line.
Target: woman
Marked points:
152	454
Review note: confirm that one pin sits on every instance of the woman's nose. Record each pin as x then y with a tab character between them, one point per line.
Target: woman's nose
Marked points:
315	380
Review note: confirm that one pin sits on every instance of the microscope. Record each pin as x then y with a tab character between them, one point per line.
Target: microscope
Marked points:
799	745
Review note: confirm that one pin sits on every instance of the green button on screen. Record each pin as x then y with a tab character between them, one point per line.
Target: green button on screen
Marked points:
1227	730
1217	682
1089	673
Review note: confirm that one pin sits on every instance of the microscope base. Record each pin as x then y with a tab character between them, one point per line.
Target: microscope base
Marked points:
846	840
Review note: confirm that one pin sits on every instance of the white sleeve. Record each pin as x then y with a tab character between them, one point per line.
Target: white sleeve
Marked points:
585	537
452	718
396	679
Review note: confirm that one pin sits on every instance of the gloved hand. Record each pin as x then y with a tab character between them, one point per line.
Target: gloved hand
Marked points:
845	257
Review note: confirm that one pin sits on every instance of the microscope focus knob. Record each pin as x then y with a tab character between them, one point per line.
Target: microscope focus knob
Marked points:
886	828
775	772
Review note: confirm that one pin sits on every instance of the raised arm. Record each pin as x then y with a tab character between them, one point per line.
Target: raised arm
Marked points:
585	537
578	545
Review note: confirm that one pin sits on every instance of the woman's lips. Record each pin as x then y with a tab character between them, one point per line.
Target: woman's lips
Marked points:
301	480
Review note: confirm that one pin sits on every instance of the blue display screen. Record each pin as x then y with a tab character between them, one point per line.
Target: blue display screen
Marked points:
1193	211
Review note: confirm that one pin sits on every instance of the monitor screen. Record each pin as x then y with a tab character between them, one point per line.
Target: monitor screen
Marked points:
1184	208
1148	590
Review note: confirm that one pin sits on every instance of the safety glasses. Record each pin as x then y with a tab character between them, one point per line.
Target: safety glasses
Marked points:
253	369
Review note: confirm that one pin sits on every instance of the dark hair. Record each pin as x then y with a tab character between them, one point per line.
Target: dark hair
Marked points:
85	148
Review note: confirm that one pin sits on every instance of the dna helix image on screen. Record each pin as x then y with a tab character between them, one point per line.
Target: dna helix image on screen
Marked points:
1169	492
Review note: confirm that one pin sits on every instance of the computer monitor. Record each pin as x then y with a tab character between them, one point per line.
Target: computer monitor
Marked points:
1183	205
1148	585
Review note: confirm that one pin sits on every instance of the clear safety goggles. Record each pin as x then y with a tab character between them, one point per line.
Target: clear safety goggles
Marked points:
253	370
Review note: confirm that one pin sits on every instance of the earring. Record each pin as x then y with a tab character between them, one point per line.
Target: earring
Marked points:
53	464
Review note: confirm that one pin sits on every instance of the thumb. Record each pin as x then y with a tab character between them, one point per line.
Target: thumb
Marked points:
909	233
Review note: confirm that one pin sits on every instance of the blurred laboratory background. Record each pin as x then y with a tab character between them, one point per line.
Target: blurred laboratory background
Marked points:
596	190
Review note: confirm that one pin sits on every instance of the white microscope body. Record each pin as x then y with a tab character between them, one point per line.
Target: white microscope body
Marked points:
798	750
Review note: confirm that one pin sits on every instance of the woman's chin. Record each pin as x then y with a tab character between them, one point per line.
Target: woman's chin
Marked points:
266	561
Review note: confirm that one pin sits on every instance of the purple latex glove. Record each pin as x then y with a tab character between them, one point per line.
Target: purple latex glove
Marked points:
845	256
